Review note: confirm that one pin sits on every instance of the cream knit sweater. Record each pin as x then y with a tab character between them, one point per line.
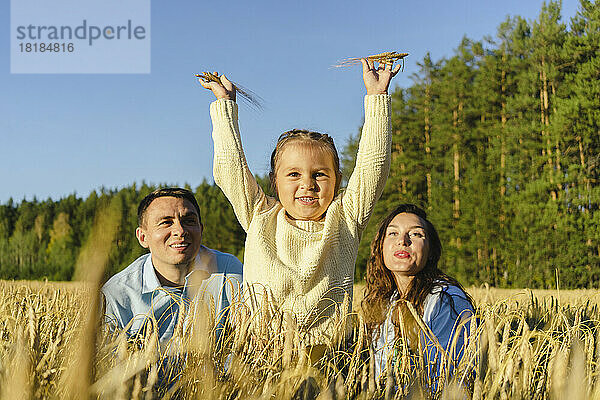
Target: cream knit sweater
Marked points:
307	267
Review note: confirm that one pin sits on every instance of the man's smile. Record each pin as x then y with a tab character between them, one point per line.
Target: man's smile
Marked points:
179	246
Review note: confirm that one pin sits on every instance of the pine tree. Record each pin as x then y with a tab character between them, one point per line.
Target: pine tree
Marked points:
61	249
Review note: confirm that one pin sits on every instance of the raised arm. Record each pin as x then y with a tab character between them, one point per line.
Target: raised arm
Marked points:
224	89
230	168
374	150
377	80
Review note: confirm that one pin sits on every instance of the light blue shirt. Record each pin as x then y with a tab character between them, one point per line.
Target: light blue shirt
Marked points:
447	320
135	299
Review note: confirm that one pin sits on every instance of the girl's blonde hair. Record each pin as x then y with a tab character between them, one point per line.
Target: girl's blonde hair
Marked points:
317	139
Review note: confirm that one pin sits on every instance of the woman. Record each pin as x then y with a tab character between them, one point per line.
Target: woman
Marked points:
403	269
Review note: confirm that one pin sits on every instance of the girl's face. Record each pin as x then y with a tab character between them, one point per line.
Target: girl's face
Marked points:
405	248
305	180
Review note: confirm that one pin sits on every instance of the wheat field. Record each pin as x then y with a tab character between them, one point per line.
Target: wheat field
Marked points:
529	344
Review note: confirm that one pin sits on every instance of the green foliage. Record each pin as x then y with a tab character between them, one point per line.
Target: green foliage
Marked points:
43	240
500	144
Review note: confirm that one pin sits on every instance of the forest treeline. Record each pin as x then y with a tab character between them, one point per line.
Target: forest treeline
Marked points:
42	239
499	143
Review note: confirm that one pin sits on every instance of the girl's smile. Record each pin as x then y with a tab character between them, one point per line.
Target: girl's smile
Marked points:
307	200
305	180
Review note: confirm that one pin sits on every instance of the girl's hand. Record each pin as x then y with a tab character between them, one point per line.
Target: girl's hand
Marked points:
222	90
377	80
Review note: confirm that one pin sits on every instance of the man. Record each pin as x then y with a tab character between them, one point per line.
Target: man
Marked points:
155	288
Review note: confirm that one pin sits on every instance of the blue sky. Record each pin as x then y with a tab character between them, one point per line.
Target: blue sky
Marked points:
73	133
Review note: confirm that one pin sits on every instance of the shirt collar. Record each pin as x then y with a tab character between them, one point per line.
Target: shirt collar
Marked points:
204	264
204	261
150	281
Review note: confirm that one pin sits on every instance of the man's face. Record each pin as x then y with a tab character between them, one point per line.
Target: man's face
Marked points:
171	230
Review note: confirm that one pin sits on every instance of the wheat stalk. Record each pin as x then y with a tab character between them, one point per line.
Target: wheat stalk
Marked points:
523	347
251	98
388	57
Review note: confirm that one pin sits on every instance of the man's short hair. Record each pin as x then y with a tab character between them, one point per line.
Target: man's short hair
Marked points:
166	192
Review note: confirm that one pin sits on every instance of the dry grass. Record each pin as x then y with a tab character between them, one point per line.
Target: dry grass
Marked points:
530	345
534	345
488	295
251	98
389	57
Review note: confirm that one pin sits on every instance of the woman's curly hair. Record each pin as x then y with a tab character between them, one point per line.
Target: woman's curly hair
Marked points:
381	285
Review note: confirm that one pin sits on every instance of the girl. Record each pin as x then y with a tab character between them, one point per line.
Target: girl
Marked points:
301	246
403	268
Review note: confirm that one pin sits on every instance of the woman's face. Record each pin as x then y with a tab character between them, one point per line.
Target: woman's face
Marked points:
405	247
